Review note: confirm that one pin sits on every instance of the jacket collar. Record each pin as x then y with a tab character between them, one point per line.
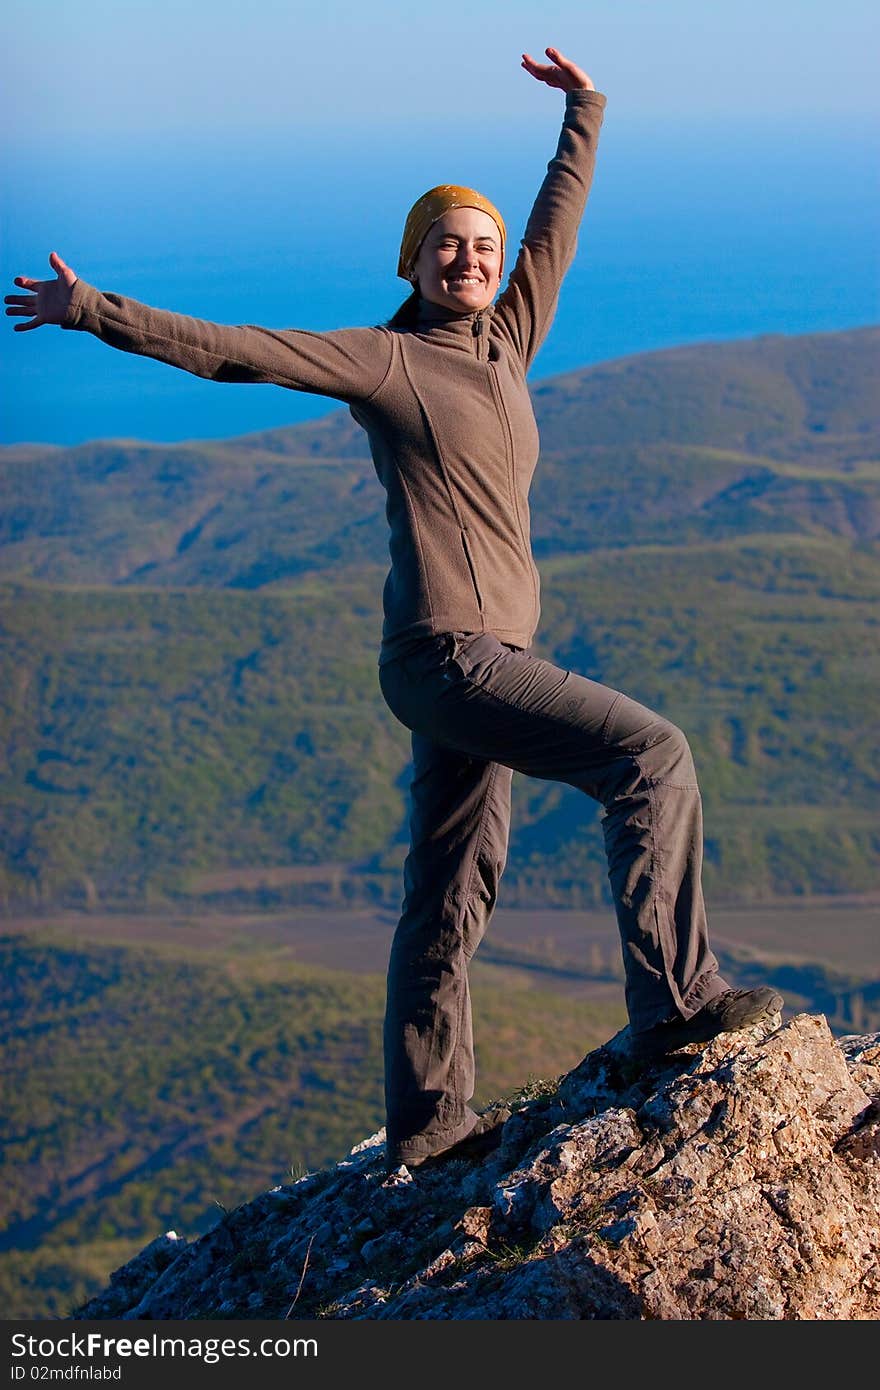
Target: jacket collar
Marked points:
432	315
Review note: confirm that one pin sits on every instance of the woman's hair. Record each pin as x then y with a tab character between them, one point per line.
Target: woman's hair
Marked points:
407	315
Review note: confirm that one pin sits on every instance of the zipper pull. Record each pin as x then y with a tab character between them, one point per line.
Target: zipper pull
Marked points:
477	325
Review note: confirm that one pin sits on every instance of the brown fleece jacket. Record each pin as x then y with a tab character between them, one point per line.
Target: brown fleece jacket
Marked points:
445	406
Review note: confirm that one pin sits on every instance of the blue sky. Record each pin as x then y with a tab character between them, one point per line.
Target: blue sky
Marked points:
203	67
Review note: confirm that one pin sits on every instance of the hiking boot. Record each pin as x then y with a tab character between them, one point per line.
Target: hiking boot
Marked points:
726	1013
485	1136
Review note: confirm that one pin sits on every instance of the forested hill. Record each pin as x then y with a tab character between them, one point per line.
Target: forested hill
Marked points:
774	435
189	634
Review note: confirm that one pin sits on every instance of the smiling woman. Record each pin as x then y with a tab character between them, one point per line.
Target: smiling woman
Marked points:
442	394
459	262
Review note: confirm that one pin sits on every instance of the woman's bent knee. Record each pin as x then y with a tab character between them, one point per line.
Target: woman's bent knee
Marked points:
668	759
648	750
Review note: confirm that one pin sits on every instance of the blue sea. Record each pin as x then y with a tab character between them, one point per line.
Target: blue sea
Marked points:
695	231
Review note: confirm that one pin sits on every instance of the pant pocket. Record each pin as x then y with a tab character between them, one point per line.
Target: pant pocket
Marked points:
470	652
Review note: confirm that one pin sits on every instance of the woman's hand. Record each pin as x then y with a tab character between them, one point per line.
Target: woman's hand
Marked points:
49	301
559	72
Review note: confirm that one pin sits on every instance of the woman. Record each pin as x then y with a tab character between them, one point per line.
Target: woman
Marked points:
441	392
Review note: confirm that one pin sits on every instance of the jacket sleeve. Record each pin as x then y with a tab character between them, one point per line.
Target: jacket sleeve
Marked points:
525	310
348	364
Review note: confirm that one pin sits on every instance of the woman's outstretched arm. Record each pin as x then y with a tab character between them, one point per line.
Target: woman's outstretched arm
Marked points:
548	247
347	364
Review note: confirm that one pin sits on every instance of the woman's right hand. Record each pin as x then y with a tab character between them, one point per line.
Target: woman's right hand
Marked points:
560	72
49	300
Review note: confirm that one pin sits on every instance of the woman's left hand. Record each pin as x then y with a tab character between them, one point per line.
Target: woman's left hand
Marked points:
559	72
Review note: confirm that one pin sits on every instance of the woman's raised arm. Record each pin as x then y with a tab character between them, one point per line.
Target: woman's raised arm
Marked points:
528	302
347	364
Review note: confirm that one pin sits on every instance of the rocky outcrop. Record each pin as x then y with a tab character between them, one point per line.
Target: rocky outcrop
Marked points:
738	1180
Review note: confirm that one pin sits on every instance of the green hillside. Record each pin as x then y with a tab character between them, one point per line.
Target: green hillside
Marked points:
188	693
155	1086
218	746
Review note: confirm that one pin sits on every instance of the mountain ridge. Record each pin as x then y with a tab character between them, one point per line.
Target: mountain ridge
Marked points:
705	435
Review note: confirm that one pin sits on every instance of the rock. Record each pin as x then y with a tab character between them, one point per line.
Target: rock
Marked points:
135	1280
738	1180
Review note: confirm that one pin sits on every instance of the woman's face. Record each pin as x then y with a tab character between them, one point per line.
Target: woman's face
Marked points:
459	262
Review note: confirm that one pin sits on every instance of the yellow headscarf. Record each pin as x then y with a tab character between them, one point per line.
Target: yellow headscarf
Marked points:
431	206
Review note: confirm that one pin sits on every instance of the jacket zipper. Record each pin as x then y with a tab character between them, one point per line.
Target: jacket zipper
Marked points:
477	330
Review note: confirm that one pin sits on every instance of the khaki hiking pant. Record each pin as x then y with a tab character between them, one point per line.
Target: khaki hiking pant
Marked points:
478	711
